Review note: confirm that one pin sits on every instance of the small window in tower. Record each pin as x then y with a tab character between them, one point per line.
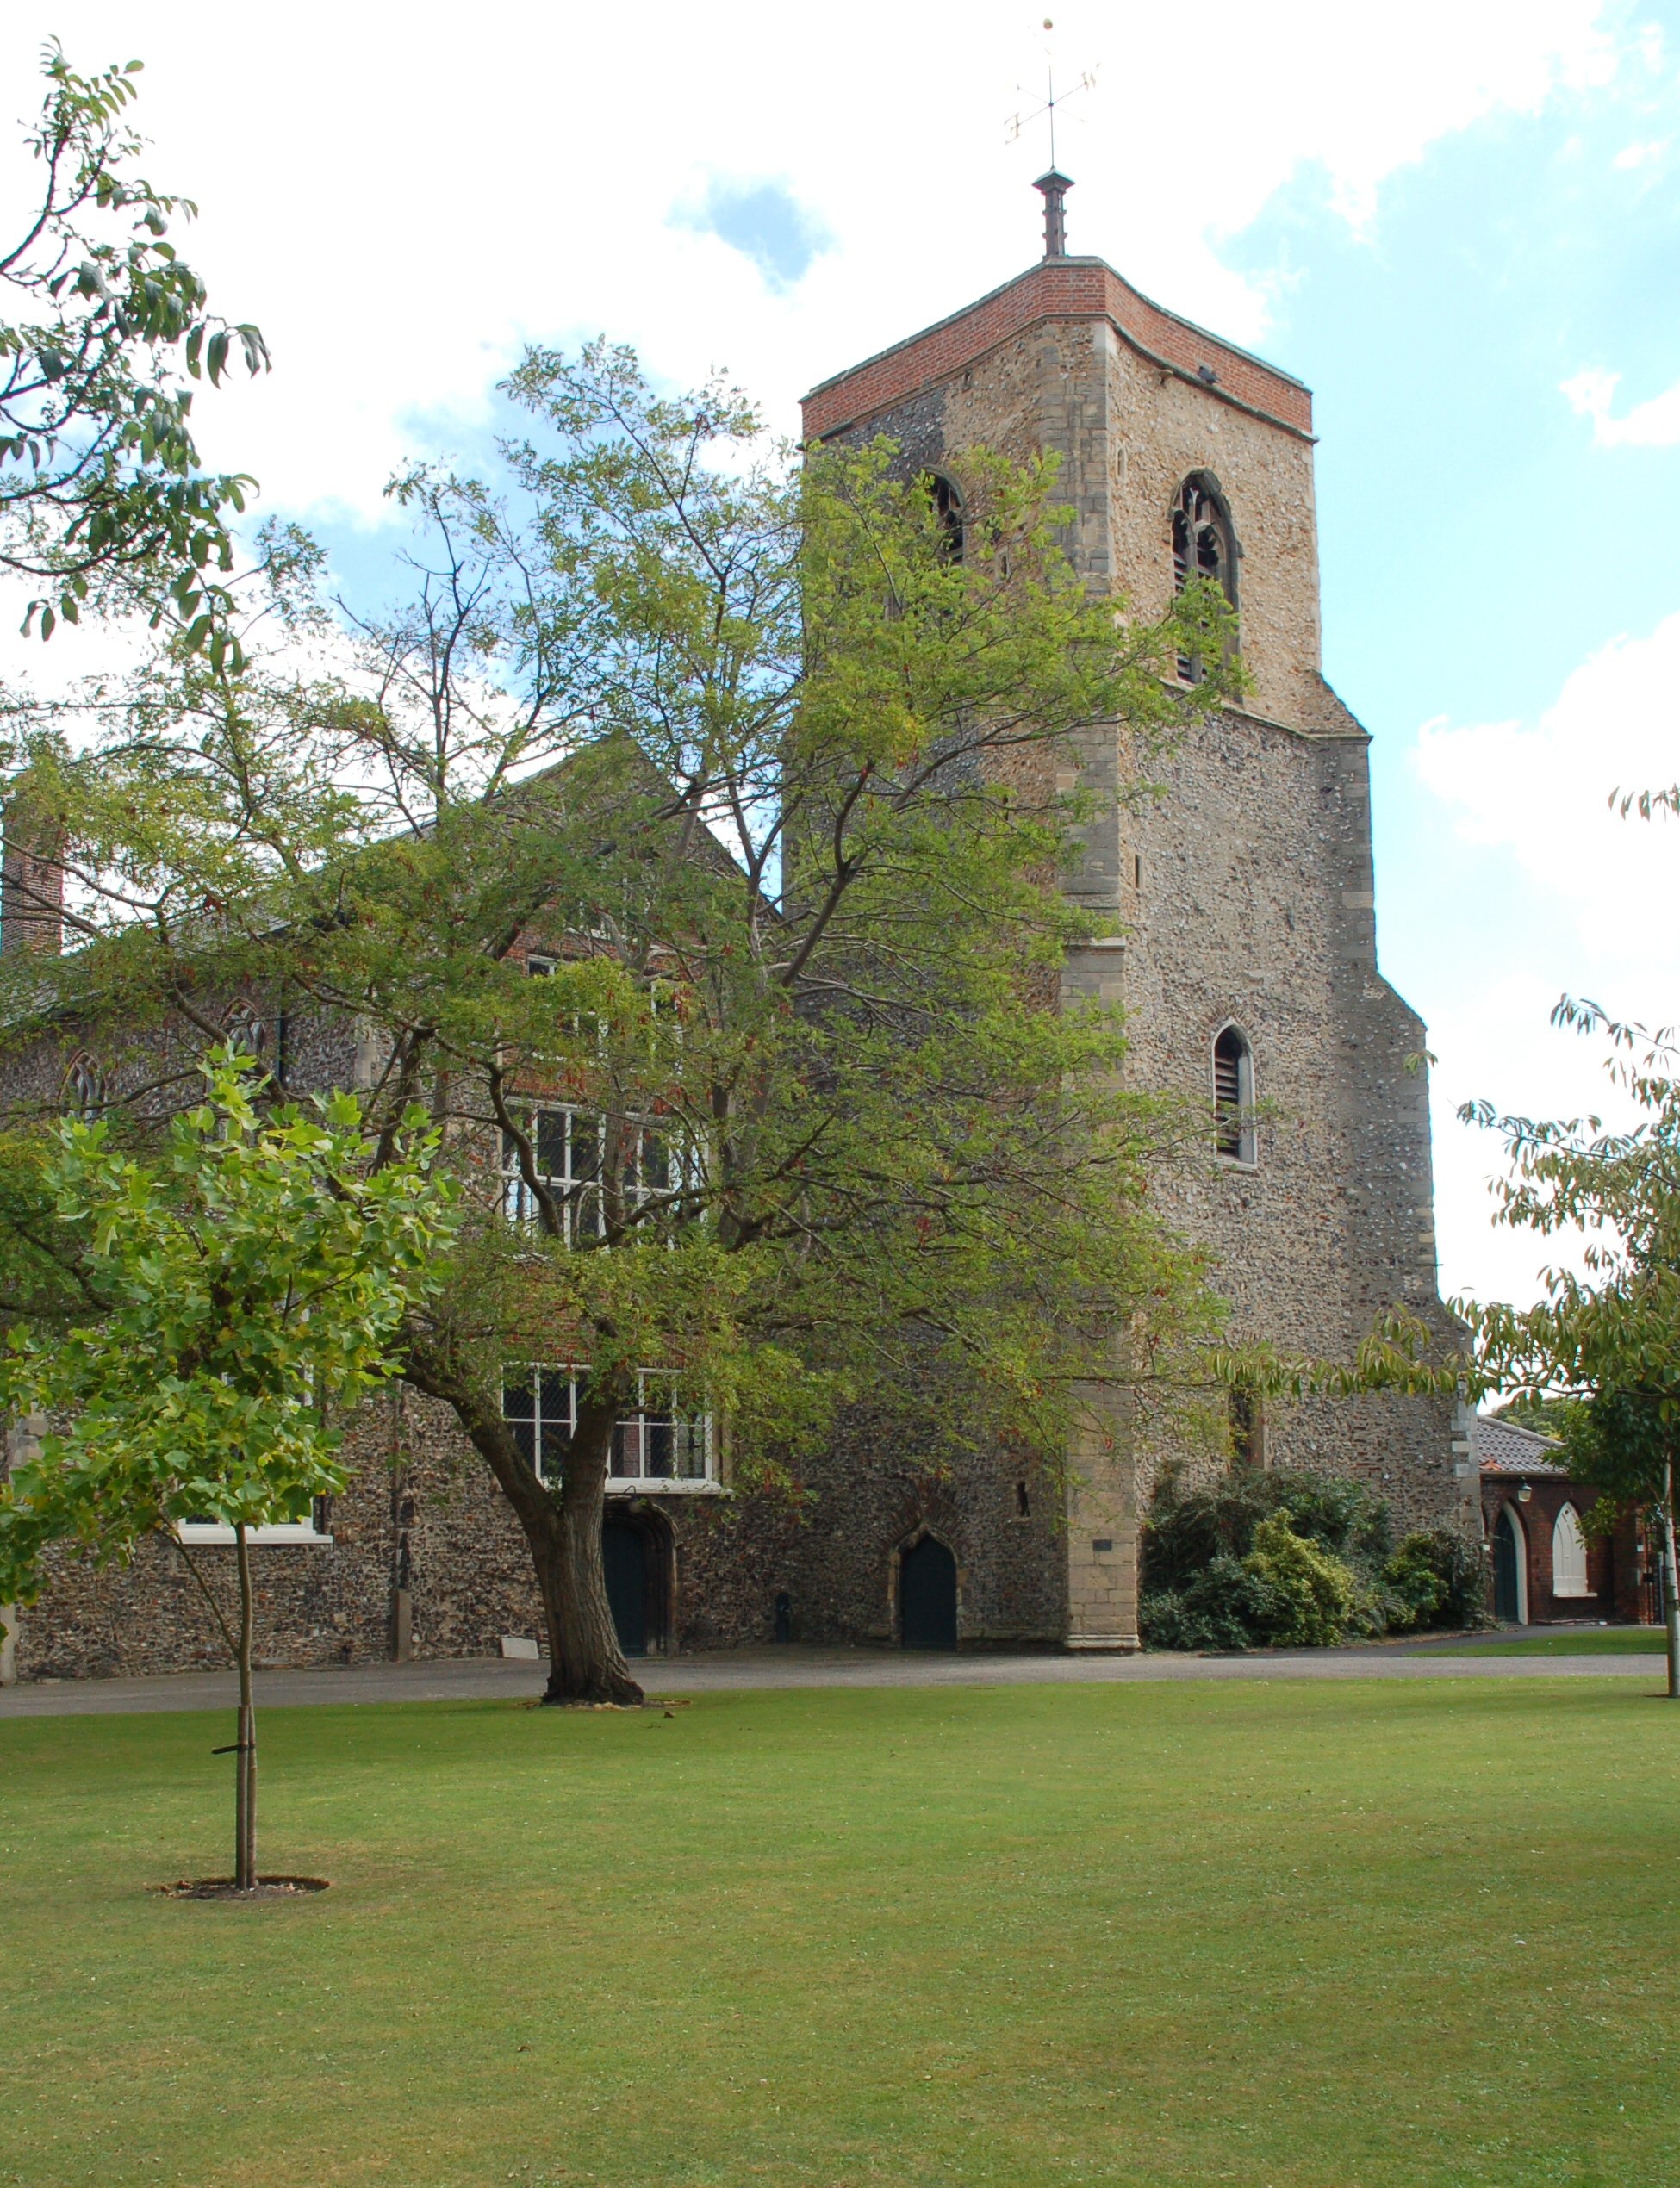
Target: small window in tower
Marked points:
1234	1095
1204	546
1023	1502
948	512
246	1031
1245	1423
86	1094
1137	869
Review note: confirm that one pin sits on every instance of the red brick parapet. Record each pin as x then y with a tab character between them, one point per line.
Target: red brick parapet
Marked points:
1056	289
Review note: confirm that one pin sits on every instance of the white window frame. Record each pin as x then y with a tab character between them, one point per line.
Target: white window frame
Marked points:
580	1195
212	1531
704	1483
1572	1592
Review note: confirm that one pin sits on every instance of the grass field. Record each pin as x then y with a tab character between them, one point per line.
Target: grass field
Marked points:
1586	1641
1357	1935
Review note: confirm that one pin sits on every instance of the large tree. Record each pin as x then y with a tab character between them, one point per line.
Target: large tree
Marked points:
777	780
104	326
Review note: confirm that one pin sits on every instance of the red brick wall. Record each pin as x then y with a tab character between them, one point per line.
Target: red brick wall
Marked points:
1613	1571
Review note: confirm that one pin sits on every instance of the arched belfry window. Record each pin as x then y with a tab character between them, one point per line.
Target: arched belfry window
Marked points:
1233	1094
247	1031
947	500
1204	545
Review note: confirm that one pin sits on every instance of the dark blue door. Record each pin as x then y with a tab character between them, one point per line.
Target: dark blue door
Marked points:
927	1595
624	1553
1507	1597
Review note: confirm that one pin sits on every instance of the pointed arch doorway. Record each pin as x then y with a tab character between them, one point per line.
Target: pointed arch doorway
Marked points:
927	1595
1510	1576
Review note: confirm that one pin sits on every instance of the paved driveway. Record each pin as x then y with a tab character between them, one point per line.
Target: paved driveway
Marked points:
461	1678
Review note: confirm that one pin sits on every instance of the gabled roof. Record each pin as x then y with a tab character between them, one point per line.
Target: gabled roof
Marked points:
1503	1448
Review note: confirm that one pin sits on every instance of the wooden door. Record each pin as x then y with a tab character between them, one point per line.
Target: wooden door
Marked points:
1507	1587
927	1595
624	1554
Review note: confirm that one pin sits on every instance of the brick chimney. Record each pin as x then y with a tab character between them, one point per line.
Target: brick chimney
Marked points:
31	877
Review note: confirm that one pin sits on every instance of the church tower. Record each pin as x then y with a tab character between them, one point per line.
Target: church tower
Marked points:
1247	955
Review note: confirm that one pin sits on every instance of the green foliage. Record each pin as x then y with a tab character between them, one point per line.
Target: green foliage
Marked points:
1187	1528
1220	1570
99	475
1598	1358
774	782
236	1292
1315	1591
1229	1604
1436	1578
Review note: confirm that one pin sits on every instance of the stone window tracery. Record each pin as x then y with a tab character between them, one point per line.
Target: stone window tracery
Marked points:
948	510
246	1031
86	1093
1204	546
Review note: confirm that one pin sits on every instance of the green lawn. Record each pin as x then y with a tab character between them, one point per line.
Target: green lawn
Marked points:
1270	1934
1587	1641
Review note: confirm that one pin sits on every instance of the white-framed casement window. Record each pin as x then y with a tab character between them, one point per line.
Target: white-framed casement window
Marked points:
663	1442
567	1145
309	1526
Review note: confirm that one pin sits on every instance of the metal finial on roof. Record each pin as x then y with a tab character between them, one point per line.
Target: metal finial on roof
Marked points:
1055	187
1054	184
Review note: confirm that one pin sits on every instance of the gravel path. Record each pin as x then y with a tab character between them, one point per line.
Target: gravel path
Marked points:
474	1679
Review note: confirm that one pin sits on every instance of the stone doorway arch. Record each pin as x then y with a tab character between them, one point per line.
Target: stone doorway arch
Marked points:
927	1595
1511	1569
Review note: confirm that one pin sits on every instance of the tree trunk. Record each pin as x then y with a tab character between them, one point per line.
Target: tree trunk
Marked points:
585	1662
561	1531
245	1814
1671	1589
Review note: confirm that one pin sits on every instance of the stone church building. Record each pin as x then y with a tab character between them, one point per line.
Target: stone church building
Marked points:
1247	958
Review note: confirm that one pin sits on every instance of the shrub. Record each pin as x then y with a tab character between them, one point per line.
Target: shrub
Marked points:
1187	1530
1437	1578
1314	1590
1226	1606
1204	1588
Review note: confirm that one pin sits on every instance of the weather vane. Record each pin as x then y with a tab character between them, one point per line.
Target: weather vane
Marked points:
1019	121
1052	184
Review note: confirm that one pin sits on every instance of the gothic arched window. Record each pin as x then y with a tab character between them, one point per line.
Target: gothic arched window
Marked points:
1204	545
85	1093
1233	1094
948	512
1569	1555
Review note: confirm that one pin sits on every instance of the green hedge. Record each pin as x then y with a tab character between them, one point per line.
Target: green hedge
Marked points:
1295	1561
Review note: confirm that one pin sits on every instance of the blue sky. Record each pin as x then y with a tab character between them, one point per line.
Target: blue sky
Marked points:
1459	222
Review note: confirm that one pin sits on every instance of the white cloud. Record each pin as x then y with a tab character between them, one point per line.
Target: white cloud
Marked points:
1551	859
1542	794
1653	424
1642	154
402	195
